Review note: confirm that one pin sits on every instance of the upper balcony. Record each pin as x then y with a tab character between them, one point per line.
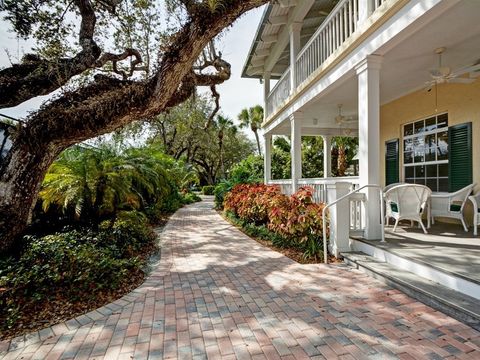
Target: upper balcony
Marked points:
312	35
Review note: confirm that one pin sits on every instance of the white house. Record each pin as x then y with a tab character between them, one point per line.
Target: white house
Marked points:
402	75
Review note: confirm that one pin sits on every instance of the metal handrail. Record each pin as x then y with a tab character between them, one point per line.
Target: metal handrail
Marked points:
382	220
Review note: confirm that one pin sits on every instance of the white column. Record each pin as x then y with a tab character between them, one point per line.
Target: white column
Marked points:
266	92
365	9
296	148
294	30
327	156
267	160
368	72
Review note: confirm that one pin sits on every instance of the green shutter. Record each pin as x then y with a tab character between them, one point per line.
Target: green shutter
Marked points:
460	156
391	162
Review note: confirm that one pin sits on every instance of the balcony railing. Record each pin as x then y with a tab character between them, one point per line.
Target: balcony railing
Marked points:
339	25
279	93
342	22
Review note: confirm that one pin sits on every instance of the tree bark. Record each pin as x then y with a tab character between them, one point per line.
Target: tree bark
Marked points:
341	160
21	180
258	143
102	107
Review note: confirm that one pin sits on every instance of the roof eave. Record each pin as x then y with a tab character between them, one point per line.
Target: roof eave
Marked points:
253	47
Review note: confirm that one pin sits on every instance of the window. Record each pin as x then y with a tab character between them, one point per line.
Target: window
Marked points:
425	152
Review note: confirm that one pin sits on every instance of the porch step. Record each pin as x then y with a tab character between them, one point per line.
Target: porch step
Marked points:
453	303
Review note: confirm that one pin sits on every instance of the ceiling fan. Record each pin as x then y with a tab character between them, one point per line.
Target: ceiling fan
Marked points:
444	74
341	119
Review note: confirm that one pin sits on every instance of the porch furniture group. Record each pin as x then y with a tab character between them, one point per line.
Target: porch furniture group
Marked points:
405	201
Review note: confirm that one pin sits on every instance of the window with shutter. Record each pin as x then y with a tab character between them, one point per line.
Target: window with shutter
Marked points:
425	152
460	156
391	162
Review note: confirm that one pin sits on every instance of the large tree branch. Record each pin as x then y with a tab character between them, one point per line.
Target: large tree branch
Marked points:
35	76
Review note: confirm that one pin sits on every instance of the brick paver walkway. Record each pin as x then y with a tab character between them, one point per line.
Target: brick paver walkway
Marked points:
219	294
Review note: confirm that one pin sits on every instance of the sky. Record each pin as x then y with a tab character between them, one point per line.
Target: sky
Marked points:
235	94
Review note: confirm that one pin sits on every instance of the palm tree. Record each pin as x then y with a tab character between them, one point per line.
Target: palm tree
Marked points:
252	118
98	182
224	124
346	149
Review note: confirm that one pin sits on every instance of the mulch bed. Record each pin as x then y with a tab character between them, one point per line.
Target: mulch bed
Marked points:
57	309
294	254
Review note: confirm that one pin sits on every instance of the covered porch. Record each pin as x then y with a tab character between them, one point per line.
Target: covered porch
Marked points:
384	87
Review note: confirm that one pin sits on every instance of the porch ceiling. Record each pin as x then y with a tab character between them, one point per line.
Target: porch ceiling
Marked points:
405	66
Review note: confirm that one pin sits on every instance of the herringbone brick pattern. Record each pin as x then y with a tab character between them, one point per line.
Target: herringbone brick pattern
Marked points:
218	294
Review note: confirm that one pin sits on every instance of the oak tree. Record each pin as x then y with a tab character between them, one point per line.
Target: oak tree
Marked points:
98	87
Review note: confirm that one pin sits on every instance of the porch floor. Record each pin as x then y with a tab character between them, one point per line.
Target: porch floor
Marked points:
446	247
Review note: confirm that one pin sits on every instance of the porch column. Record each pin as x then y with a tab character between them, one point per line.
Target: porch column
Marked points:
266	92
267	160
294	31
296	148
368	72
327	156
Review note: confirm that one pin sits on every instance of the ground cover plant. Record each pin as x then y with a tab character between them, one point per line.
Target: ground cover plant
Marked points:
293	222
55	277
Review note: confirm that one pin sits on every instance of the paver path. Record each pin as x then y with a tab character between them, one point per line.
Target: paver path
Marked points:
219	294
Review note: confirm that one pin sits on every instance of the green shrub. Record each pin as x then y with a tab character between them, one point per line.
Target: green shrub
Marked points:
73	265
220	191
170	204
190	198
247	171
208	190
126	235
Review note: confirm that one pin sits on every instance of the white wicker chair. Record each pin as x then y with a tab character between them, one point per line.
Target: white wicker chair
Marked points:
451	205
475	199
407	202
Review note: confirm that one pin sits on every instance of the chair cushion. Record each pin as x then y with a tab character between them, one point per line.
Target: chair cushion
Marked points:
455	207
394	207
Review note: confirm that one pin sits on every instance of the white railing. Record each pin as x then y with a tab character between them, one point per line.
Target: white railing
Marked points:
279	93
377	4
284	184
342	22
353	196
319	185
357	204
339	25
